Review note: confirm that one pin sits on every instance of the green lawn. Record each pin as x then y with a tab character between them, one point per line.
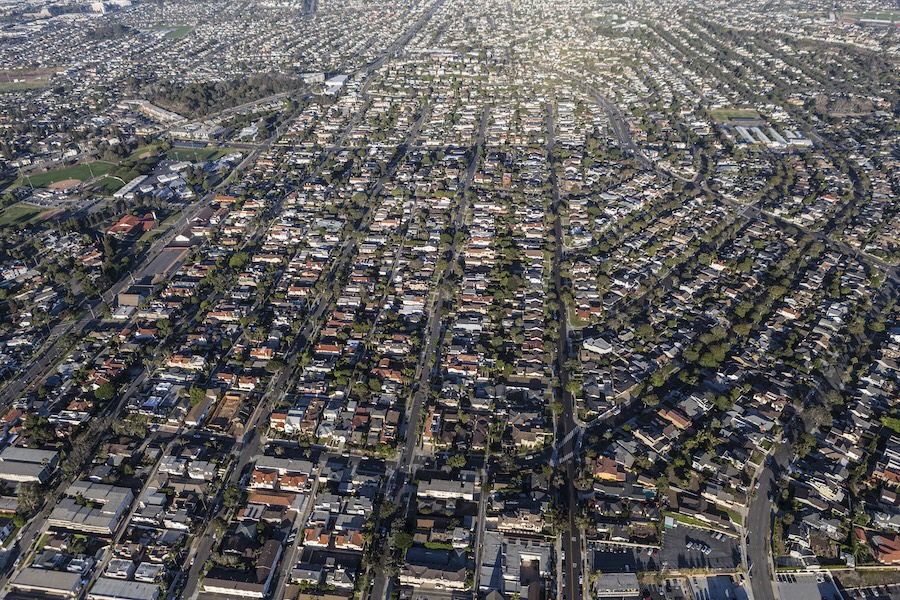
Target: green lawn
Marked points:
12	538
735	516
151	150
176	31
19	214
21	86
692	521
197	154
889	16
80	172
726	114
110	185
574	319
179	32
161	227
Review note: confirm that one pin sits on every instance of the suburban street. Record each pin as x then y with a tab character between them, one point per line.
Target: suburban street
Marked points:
567	419
427	359
46	361
248	449
759	527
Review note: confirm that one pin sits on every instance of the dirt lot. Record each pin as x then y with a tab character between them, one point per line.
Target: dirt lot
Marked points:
65	184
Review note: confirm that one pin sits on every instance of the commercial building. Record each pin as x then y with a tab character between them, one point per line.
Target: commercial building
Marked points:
116	589
91	508
45	583
23	465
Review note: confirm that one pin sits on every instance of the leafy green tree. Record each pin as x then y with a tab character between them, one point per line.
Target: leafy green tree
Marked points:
30	498
457	461
106	391
238	260
232	496
40	429
403	540
197	395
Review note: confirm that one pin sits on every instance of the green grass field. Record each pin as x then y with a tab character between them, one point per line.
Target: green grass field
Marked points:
152	149
193	155
889	16
177	31
21	86
110	185
19	214
726	114
81	172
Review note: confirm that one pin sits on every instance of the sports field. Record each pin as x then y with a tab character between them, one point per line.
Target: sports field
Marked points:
726	114
81	172
19	214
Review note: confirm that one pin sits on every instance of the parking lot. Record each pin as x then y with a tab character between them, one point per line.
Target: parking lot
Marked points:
802	586
716	587
614	558
874	592
724	554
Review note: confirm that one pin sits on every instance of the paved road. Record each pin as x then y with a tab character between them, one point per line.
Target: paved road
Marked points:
291	553
35	527
382	584
567	420
248	449
38	524
759	528
620	129
250	444
43	365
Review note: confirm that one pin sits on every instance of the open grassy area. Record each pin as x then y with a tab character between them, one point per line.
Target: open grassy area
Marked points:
19	215
21	86
878	16
144	151
179	32
197	154
81	172
693	522
15	80
110	185
175	32
726	114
